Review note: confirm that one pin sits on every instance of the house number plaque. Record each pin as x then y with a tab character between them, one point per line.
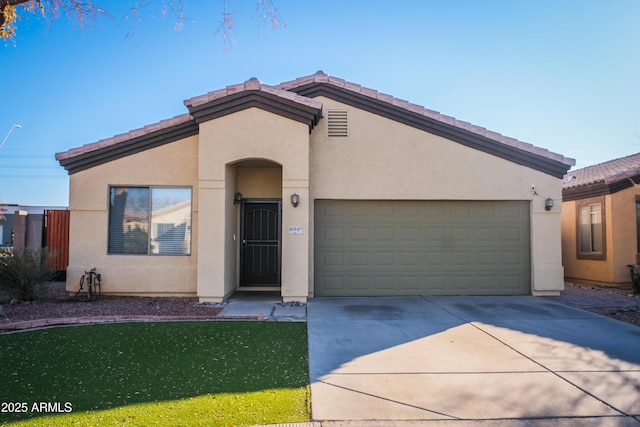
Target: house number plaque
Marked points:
295	229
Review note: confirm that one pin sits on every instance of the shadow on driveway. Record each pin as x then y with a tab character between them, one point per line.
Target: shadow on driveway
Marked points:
469	358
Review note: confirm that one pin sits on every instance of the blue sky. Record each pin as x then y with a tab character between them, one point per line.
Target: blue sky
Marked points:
562	75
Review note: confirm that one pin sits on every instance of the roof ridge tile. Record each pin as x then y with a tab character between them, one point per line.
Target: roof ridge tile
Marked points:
322	77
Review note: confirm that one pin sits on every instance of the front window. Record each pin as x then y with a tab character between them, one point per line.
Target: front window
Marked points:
591	231
150	220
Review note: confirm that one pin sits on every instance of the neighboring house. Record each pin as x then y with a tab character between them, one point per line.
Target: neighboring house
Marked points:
315	187
601	221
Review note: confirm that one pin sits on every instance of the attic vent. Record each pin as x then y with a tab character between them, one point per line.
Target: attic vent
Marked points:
338	123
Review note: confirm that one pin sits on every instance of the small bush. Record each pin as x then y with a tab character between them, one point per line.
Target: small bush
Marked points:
24	273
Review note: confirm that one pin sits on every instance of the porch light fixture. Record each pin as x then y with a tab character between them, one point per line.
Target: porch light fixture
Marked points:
295	200
237	198
548	204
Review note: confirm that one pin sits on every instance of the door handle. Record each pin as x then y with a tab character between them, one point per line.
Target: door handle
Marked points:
244	243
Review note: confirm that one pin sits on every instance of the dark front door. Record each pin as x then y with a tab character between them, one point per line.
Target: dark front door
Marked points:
260	243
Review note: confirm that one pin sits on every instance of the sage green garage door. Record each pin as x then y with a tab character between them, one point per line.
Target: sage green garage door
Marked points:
380	248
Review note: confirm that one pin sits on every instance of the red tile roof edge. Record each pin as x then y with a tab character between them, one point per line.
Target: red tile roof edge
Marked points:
608	172
283	90
322	77
123	137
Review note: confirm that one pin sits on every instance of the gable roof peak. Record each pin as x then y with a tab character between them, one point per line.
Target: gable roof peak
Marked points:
322	84
253	84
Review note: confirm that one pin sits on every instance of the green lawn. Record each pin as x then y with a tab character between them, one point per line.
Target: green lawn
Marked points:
173	373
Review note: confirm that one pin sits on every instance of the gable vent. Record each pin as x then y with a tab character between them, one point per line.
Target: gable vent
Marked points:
337	123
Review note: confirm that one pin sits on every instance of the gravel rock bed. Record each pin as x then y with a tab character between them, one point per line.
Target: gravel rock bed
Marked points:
617	303
59	305
627	316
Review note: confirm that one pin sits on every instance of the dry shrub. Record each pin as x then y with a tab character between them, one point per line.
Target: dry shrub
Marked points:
24	273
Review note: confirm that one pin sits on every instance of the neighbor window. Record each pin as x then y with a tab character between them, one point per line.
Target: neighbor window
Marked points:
150	220
591	231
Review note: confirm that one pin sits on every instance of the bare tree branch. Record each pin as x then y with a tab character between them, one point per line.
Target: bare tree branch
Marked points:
83	12
86	12
173	7
268	12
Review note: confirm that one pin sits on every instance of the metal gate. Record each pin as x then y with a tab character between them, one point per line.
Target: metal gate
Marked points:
260	243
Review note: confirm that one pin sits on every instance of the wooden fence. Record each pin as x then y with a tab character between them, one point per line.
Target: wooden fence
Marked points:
57	237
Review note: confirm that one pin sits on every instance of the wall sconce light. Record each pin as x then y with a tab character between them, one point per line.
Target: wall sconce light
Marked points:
237	198
295	200
548	204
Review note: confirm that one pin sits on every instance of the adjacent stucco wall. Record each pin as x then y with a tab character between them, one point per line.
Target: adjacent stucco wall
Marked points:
621	245
171	164
260	182
383	159
623	232
226	142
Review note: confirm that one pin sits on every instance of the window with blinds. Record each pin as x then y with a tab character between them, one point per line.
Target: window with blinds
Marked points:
150	220
591	230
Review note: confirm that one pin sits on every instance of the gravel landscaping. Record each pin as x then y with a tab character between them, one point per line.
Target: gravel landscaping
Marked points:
618	303
57	304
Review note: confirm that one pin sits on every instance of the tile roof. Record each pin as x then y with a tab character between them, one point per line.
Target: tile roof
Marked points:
253	84
295	99
322	77
124	137
607	172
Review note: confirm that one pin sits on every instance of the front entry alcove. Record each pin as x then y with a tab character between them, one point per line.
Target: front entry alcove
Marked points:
258	206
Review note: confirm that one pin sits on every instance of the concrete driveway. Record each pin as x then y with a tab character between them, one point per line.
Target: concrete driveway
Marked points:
471	358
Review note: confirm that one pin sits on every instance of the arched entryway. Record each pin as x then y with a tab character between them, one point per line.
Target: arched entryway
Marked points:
258	201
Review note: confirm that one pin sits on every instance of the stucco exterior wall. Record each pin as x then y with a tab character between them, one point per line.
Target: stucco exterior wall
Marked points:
623	232
251	134
429	167
585	269
89	205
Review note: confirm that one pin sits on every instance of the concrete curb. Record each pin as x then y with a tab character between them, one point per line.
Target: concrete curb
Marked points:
613	421
26	325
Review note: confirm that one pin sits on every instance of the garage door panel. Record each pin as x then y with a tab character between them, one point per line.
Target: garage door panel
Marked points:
384	234
359	258
421	248
385	258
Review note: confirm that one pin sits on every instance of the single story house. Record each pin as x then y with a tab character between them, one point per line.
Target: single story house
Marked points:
315	187
601	221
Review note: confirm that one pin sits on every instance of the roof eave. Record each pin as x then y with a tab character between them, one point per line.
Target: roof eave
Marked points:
599	188
468	138
308	113
79	162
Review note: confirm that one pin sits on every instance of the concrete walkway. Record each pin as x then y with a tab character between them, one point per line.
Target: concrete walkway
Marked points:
463	361
262	306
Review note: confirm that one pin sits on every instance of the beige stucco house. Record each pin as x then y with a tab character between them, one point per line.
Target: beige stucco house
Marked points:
315	187
601	221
